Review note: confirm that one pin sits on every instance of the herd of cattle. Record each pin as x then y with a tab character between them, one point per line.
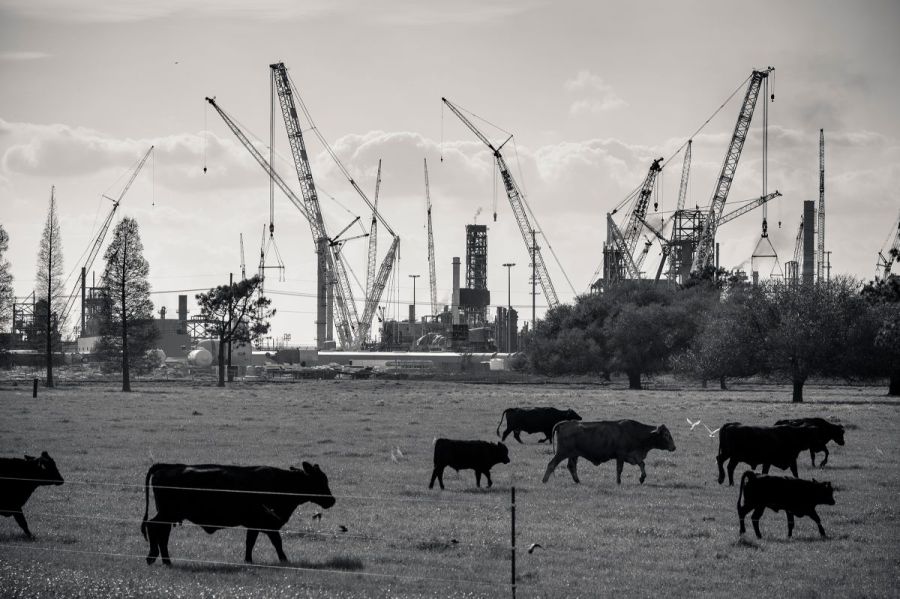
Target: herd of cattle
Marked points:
262	498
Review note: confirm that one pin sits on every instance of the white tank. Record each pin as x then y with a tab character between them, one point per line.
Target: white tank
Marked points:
200	358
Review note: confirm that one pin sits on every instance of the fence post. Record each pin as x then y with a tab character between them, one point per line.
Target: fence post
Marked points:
34	388
513	546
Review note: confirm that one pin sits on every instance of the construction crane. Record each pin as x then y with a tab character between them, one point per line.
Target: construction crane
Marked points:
820	229
101	235
243	264
625	242
431	275
886	259
517	202
706	242
373	236
682	196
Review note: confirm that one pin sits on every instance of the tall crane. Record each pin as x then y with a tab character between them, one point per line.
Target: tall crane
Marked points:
431	275
706	242
373	237
682	196
886	259
101	235
243	264
820	229
632	231
517	202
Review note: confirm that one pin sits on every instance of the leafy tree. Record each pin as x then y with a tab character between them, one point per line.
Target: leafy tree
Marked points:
49	283
235	312
569	340
884	297
127	329
806	329
6	280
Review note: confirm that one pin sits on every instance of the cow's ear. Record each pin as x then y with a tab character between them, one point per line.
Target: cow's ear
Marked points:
307	467
44	454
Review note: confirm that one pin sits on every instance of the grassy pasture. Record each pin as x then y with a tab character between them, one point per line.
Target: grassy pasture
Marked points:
676	535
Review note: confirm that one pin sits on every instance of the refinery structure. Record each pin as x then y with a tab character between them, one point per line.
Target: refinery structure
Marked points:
352	327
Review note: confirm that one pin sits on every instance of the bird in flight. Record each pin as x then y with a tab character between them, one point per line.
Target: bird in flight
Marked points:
534	546
693	424
712	433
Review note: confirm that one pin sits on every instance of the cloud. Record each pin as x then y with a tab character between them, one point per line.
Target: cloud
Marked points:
600	96
18	56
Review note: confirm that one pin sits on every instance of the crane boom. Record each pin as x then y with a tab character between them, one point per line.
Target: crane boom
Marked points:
706	242
820	229
243	265
384	271
431	269
685	175
373	237
101	235
612	230
730	216
517	202
633	225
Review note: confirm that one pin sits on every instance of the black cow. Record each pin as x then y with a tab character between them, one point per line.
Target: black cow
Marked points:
825	432
795	496
479	456
260	498
533	420
18	480
598	442
770	446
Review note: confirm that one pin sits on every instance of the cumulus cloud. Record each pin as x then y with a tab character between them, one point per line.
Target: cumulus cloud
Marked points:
597	95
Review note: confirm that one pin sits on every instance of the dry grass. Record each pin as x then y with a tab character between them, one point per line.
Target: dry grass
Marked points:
676	534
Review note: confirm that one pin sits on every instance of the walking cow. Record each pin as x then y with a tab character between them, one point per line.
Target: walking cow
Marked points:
598	442
18	480
796	497
479	456
823	432
259	498
533	420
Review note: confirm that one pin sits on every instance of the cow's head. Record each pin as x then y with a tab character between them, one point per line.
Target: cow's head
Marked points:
572	415
45	469
316	484
838	434
663	438
824	493
502	454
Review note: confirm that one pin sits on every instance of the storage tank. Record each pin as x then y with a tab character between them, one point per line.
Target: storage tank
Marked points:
200	358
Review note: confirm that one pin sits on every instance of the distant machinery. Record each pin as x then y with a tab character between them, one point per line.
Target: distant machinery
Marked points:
432	279
475	297
887	256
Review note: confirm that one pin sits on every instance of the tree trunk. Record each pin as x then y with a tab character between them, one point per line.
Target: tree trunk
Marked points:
221	361
126	373
894	385
49	335
722	384
703	383
798	390
634	380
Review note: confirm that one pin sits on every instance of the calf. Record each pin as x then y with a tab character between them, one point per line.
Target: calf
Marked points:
795	496
597	442
823	432
533	420
479	456
18	480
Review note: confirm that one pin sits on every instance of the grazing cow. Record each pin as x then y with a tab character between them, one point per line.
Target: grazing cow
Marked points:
598	442
795	496
18	480
825	432
533	420
770	446
479	456
260	498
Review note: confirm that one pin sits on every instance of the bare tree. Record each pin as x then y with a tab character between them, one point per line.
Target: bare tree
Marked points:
235	312
49	281
128	329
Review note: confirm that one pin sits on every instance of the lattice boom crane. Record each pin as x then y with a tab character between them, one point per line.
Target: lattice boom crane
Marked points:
431	270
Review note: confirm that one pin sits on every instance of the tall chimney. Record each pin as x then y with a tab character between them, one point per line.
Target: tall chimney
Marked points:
182	307
454	302
809	248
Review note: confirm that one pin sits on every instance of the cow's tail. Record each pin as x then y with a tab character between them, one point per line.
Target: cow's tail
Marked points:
150	473
747	474
503	415
553	435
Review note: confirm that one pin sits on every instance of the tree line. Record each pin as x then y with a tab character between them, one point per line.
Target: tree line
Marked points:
715	328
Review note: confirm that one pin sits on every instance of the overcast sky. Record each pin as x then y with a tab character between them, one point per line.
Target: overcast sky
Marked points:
592	91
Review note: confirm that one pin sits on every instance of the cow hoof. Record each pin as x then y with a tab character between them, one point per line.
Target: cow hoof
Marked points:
167	561
150	561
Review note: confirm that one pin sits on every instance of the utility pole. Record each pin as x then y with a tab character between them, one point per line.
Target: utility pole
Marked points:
229	376
412	308
508	266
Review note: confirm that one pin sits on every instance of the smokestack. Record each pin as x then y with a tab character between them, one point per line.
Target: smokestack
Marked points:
454	302
809	247
182	307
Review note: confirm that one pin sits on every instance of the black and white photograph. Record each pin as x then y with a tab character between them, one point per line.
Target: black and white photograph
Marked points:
484	298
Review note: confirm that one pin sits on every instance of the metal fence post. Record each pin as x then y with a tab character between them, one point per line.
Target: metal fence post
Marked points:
513	547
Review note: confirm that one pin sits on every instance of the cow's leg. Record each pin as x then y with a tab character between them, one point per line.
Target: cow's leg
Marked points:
551	466
252	533
743	510
790	518
815	517
154	544
162	539
477	478
572	465
487	475
720	459
755	516
732	464
643	472
794	468
518	438
766	468
619	465
275	537
437	473
825	461
23	524
505	434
